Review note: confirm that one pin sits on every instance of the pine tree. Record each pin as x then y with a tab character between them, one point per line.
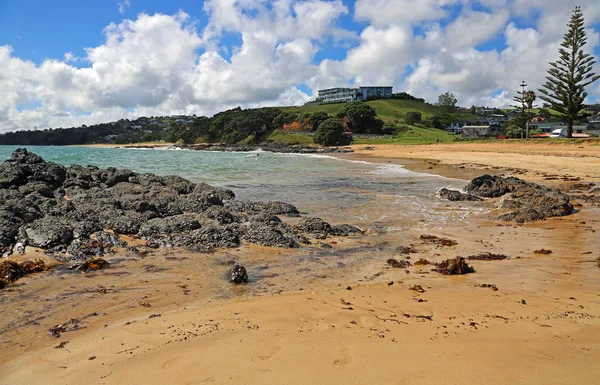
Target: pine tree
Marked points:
568	77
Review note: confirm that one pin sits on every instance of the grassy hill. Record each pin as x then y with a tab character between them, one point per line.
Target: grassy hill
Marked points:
392	111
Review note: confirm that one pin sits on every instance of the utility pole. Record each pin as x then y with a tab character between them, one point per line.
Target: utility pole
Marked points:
523	85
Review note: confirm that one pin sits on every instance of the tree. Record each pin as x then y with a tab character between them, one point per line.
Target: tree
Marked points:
529	97
523	99
413	117
329	133
362	118
567	78
447	100
316	119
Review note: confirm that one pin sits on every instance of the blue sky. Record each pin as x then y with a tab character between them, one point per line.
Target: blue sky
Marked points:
71	62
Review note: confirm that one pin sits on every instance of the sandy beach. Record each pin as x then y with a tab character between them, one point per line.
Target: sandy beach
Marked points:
530	319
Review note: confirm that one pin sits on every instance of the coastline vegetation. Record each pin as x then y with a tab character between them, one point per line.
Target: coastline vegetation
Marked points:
288	125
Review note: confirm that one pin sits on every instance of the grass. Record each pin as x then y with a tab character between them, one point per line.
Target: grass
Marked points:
388	110
291	139
392	111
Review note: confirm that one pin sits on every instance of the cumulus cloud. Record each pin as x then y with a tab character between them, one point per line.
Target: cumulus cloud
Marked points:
157	64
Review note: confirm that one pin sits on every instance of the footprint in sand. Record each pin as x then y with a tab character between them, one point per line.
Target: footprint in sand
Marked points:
267	353
344	361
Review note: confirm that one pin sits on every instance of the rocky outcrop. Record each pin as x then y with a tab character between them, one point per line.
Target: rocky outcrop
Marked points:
65	210
456	196
276	147
527	201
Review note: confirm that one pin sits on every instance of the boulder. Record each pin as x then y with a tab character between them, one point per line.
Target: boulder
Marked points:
212	237
343	230
238	274
456	196
314	226
48	232
530	201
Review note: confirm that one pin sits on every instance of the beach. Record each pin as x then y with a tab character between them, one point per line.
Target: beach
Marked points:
533	318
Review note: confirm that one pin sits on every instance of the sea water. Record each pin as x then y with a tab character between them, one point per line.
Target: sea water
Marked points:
355	192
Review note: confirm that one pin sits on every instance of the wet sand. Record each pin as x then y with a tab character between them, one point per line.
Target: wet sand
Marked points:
170	317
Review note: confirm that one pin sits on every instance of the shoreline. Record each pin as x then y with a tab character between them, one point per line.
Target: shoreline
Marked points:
475	335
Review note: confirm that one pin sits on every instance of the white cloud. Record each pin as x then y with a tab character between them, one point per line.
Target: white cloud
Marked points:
123	6
169	64
386	12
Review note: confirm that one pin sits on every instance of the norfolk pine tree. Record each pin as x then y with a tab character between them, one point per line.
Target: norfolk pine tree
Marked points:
567	78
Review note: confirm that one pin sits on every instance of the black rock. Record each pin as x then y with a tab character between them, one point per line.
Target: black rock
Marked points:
48	232
343	230
238	274
455	196
314	226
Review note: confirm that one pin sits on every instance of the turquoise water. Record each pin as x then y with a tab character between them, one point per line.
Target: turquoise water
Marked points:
340	190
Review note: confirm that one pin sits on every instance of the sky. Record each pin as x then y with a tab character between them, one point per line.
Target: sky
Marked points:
66	63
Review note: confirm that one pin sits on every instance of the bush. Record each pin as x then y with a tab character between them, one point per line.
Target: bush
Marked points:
413	117
362	118
329	133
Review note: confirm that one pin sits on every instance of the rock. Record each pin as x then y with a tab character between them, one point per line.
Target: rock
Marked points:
418	289
455	266
20	248
238	274
60	209
488	257
274	208
264	235
530	201
438	241
398	264
48	232
455	196
314	226
543	251
175	224
598	261
488	186
211	237
343	230
489	285
84	249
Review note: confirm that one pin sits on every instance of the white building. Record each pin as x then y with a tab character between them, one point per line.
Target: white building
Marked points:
346	95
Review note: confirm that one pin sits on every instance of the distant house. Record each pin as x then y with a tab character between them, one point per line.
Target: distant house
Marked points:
455	127
347	95
110	138
593	108
480	131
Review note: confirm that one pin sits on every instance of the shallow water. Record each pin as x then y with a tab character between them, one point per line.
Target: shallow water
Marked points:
355	192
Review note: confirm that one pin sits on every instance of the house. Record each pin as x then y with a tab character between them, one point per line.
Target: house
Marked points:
480	131
593	108
455	127
110	138
346	95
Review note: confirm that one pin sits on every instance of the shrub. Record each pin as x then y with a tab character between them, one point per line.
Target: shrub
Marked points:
329	133
413	117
